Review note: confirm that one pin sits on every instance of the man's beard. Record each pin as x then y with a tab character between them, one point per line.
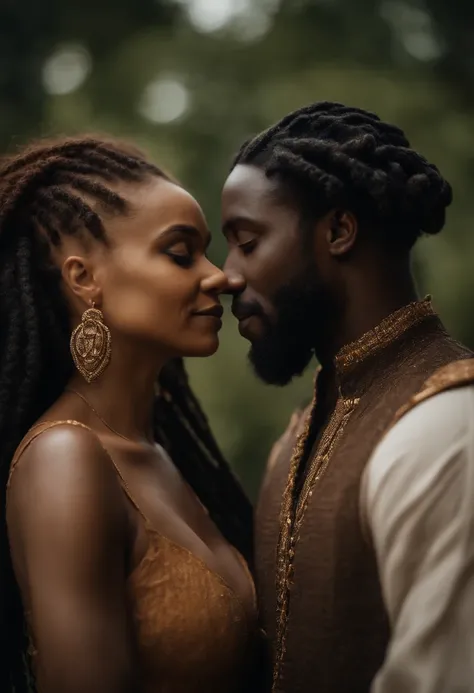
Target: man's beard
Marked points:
288	344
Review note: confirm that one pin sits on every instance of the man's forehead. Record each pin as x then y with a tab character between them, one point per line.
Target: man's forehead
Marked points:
249	184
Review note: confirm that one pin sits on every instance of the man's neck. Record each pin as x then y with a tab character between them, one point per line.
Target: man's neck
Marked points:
368	303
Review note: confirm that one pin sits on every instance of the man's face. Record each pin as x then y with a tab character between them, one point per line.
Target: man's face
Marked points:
284	298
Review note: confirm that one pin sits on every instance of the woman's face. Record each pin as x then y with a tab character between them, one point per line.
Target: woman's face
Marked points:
157	287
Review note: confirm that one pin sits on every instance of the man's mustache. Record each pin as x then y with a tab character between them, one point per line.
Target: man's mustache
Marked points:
246	309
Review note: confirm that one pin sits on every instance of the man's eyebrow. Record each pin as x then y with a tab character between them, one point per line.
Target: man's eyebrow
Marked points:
230	226
187	230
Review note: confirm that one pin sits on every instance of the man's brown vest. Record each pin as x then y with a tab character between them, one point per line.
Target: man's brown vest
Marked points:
320	593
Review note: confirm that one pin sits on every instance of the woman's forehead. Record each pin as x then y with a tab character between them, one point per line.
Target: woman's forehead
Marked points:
156	204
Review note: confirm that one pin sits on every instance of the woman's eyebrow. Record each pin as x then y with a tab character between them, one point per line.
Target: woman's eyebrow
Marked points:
187	230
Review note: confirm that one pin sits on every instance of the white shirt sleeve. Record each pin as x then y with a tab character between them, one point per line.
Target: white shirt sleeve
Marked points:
417	496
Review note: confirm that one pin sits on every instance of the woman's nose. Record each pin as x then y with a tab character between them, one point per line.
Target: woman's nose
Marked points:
215	280
221	282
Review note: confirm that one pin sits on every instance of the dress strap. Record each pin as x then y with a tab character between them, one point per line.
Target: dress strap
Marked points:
43	426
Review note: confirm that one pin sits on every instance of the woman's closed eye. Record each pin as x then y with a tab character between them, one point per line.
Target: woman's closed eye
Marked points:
181	254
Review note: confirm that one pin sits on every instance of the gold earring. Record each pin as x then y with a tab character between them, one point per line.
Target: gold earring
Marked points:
91	344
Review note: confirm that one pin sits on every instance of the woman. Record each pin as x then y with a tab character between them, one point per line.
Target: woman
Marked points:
128	570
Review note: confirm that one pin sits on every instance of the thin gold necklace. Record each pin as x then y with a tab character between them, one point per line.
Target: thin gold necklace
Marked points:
101	418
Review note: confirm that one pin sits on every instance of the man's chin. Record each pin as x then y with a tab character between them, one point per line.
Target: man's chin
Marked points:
277	365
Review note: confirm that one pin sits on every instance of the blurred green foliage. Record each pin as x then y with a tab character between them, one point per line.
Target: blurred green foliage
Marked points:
189	82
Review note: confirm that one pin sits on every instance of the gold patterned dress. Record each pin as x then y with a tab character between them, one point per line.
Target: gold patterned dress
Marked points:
193	632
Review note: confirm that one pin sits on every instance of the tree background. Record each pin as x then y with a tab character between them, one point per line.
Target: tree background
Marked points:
188	80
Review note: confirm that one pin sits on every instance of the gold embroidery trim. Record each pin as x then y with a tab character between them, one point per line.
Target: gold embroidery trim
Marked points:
291	517
383	334
455	374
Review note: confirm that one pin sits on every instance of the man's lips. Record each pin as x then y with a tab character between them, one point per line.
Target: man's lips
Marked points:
250	327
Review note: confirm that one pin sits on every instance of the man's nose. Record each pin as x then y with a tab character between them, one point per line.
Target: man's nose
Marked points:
235	282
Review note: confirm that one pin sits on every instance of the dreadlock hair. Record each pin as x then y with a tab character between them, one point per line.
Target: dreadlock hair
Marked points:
44	194
335	157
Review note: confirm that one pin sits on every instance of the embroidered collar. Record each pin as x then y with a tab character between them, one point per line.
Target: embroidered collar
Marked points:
383	335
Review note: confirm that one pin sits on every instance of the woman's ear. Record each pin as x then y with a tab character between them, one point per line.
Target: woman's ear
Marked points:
78	276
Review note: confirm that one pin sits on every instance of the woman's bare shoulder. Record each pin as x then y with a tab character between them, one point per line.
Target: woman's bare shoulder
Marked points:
62	471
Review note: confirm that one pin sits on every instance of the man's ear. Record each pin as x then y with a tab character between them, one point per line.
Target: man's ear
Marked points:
78	277
342	232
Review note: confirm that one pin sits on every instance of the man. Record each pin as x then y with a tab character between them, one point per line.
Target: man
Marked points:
365	524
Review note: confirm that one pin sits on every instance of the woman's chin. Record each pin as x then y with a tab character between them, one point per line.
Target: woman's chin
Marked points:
203	347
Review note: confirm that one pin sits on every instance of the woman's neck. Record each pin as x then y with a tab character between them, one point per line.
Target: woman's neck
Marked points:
123	395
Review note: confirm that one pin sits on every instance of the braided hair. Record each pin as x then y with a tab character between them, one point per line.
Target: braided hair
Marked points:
332	156
44	194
